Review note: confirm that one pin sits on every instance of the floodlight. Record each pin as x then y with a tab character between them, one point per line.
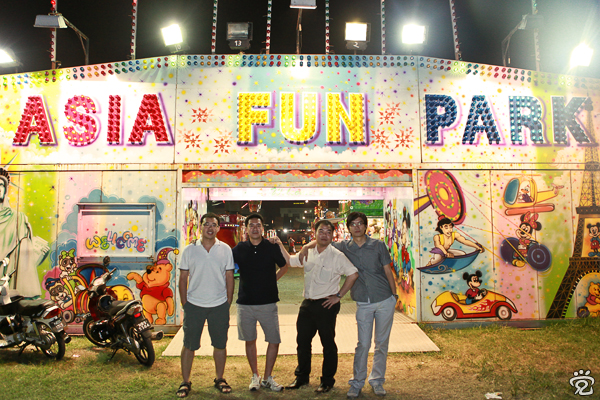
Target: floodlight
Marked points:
581	56
172	35
358	35
310	4
8	59
414	34
5	58
55	21
239	35
356	31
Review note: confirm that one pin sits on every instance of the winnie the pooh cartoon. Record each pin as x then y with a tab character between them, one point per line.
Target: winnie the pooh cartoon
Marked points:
593	300
156	295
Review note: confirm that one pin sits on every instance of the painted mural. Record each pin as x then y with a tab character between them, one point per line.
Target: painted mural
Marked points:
501	223
399	240
69	278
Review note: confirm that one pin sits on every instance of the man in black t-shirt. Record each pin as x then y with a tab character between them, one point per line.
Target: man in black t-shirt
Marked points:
258	259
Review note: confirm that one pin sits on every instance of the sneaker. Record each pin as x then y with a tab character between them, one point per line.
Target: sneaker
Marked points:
353	392
271	384
255	383
378	390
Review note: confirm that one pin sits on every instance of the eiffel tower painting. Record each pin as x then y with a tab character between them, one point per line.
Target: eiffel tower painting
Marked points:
589	207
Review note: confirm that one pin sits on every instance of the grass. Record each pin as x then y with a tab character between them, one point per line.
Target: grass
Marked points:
522	364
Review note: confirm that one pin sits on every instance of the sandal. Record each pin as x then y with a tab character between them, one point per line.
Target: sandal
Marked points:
184	389
222	385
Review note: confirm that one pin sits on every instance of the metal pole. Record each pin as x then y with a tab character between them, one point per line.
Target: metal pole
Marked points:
86	46
382	26
133	28
536	38
268	42
327	47
298	30
213	42
457	52
53	35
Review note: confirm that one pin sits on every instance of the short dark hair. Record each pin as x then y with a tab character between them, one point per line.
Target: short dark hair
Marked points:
210	215
356	215
251	216
324	222
443	221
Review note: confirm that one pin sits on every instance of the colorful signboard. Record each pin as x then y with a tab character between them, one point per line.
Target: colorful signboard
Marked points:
282	109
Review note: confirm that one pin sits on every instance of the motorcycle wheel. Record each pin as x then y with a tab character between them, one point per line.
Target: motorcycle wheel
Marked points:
54	344
87	331
146	354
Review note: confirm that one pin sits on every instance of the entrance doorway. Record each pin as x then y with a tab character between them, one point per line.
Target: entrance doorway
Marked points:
283	208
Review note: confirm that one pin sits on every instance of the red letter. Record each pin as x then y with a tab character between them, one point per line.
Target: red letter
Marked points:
34	120
149	119
114	119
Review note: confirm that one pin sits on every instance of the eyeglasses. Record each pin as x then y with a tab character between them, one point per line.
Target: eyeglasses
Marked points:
357	223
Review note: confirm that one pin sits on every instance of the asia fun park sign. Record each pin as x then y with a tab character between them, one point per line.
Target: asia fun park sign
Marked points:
232	109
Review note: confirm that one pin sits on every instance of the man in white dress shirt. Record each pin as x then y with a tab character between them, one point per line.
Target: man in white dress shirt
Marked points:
323	270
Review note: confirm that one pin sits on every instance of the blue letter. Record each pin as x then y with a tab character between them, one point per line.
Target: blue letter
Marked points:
436	121
480	109
531	121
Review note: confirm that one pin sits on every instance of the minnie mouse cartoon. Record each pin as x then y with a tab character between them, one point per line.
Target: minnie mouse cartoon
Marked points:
474	293
529	223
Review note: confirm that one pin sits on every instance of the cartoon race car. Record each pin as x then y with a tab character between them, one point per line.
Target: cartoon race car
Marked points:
453	305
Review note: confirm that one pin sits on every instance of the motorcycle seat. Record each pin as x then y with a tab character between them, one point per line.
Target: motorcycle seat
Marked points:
9	309
32	307
116	306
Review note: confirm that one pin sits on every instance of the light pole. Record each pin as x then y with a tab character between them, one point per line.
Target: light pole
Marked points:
529	22
56	20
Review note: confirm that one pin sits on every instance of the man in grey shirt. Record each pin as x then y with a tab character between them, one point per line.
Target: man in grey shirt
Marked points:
375	296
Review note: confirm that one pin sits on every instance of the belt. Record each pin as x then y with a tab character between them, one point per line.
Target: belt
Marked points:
321	299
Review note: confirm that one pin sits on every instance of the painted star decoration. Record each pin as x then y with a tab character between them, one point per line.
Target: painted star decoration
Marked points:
190	138
223	142
202	115
389	113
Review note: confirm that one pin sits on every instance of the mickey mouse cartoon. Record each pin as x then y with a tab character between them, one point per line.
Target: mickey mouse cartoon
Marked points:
474	293
594	239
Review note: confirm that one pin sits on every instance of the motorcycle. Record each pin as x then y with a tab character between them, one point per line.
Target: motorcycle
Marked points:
30	322
118	324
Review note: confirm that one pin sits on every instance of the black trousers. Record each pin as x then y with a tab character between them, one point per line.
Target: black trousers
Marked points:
313	318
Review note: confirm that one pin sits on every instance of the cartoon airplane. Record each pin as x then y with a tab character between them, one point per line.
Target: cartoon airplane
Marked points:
522	195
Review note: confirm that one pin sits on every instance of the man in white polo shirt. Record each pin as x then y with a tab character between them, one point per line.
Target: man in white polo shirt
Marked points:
206	290
322	274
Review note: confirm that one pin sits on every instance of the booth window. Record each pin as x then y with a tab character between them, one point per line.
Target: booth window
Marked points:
123	231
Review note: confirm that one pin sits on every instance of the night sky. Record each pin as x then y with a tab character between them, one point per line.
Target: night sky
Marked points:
482	25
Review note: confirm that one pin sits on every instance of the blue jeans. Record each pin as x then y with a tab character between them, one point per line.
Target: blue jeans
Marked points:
382	314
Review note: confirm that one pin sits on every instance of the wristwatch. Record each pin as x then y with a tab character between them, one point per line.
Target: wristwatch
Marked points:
338	295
